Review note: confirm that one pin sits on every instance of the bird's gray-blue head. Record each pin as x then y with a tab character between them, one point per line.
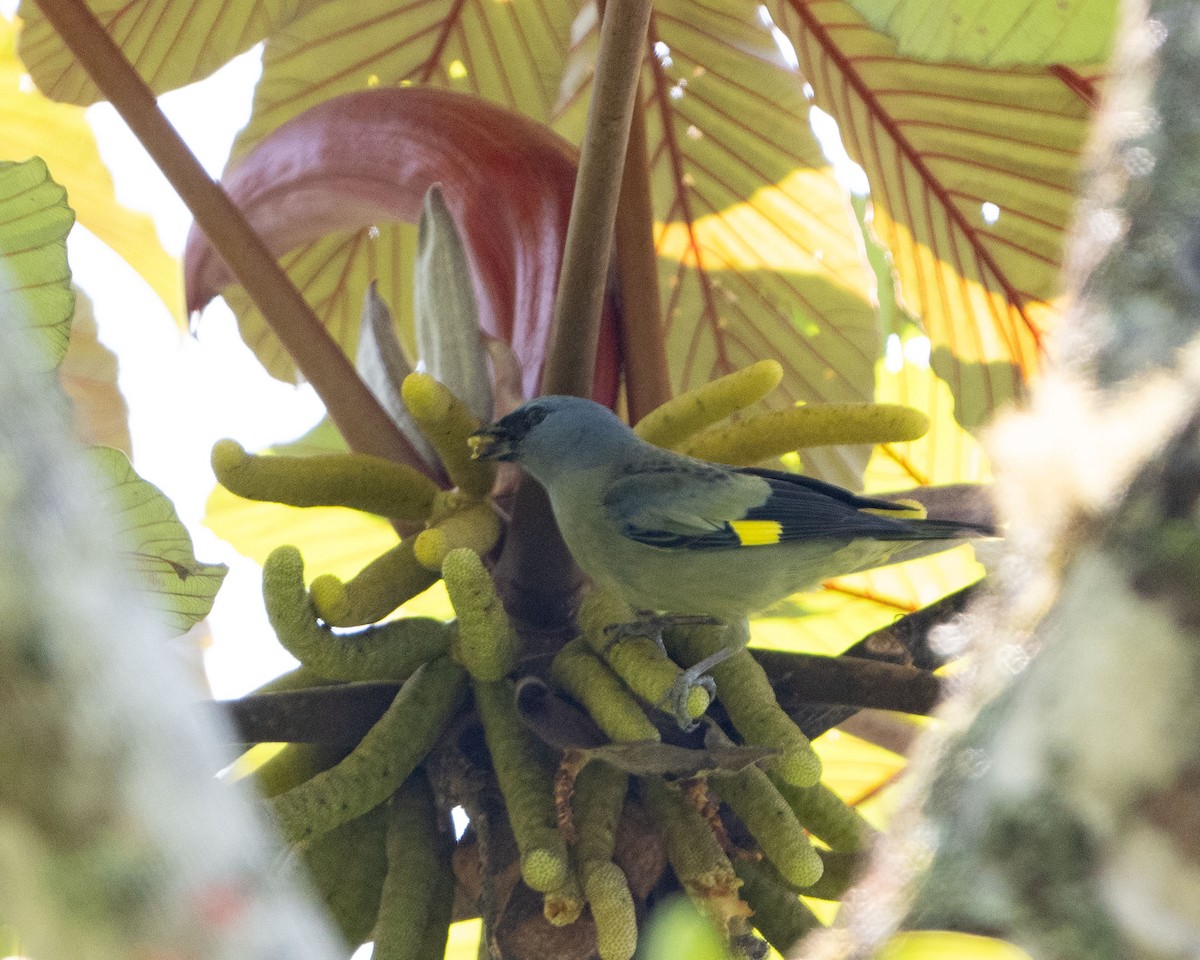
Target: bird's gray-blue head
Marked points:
553	433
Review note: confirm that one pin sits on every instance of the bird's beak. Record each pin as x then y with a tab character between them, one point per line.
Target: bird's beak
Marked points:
492	442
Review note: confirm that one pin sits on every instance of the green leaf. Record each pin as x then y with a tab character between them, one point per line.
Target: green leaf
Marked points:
1032	32
35	281
445	314
178	589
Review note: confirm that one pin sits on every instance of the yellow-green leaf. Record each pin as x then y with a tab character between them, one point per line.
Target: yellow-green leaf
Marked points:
948	945
35	281
59	133
88	376
1030	32
170	44
510	53
333	539
177	589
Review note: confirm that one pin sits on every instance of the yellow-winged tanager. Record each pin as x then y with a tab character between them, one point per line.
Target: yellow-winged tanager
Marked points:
676	535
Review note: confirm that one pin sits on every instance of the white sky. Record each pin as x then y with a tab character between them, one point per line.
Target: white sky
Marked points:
186	392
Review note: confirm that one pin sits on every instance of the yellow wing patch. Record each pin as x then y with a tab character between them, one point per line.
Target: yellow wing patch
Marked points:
757	533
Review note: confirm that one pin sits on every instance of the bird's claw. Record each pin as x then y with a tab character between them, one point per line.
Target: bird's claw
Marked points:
652	625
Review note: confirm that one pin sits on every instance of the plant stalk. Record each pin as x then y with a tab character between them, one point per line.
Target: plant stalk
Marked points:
643	350
577	308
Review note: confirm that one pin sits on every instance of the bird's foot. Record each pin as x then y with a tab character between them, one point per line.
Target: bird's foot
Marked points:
691	691
694	676
652	625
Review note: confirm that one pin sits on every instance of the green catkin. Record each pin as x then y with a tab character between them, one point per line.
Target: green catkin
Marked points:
355	480
527	783
692	847
826	816
778	913
745	691
390	651
608	896
447	423
767	435
486	643
596	809
474	526
758	804
390	580
674	421
596	804
292	765
347	866
414	910
383	760
562	907
637	660
839	873
298	678
585	677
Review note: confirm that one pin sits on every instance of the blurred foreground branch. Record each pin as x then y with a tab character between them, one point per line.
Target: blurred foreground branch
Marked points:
115	839
1060	806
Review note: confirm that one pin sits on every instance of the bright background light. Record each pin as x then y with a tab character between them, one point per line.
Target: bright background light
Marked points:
187	391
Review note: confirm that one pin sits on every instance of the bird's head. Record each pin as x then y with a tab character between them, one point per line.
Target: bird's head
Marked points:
549	432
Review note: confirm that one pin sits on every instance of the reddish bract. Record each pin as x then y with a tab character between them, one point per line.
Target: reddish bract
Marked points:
367	158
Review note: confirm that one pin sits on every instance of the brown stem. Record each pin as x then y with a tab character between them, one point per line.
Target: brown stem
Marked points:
577	308
802	679
643	350
363	423
535	573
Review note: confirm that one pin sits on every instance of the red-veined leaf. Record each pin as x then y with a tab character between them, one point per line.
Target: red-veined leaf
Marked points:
507	183
939	143
509	53
758	252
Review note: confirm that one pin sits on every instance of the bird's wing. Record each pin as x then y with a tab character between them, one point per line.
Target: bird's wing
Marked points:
698	506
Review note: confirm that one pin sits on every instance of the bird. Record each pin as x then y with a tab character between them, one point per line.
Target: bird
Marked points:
675	535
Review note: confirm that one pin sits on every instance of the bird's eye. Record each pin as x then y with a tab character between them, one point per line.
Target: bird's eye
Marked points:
534	416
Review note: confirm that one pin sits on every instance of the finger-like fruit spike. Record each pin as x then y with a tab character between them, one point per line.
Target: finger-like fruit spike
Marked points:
679	418
746	692
383	759
486	643
475	527
447	423
614	633
765	435
390	580
577	670
418	895
355	480
389	651
527	784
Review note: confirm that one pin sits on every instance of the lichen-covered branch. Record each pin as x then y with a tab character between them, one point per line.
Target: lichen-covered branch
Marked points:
115	839
1058	807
